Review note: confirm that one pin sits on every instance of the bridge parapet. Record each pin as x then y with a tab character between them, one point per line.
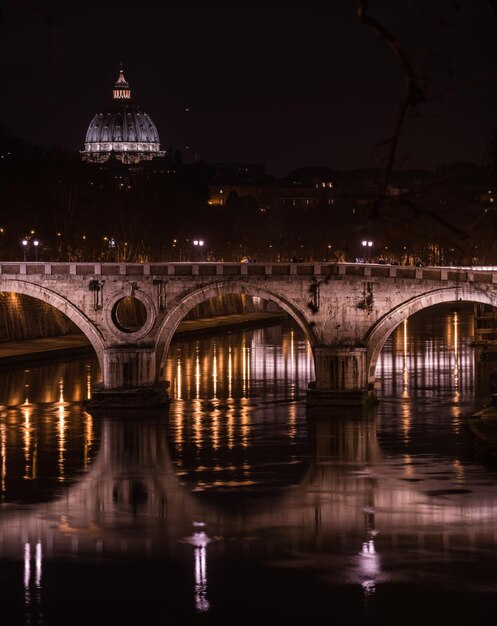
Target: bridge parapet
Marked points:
365	270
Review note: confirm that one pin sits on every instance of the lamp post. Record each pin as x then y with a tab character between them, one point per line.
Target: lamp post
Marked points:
25	244
199	243
367	245
112	247
36	243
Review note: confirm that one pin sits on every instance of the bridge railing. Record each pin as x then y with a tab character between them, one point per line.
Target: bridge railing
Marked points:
213	269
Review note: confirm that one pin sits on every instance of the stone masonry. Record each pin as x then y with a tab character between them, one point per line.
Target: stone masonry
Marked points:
347	312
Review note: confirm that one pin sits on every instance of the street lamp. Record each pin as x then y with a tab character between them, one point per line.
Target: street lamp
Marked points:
112	246
25	247
199	243
367	245
36	243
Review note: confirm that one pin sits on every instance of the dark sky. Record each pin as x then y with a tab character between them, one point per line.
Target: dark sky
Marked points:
282	84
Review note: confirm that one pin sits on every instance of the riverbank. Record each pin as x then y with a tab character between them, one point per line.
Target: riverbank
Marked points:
483	434
482	427
78	344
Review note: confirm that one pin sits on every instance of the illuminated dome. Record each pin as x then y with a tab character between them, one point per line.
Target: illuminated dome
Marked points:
122	129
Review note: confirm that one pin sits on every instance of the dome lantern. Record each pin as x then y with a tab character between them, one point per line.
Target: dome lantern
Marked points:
121	88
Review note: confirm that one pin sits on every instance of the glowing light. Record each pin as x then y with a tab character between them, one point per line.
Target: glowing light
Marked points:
88	382
200	541
178	379
197	374
215	429
27	571
88	441
38	560
230	373
197	424
3	453
292	365
369	566
456	356
61	434
28	473
244	368
405	370
245	422
214	373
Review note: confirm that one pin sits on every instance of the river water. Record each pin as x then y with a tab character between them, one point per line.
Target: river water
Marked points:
235	505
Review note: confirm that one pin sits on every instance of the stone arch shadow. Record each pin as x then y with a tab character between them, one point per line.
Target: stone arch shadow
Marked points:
180	310
381	330
61	304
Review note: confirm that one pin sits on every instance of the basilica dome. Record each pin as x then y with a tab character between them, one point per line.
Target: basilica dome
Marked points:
121	129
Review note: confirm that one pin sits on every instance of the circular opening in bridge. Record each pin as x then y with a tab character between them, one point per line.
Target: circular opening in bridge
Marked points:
129	314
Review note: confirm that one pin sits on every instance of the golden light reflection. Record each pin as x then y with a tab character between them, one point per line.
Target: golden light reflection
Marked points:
230	427
3	453
88	441
61	443
215	429
214	373
244	368
61	393
230	373
220	368
406	421
178	430
292	420
456	356
245	422
178	378
28	465
405	369
197	423
408	466
249	370
292	364
431	353
197	373
88	382
459	470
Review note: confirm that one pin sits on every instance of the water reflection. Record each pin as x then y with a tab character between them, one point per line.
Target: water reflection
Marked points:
437	355
200	540
32	583
235	493
41	431
268	361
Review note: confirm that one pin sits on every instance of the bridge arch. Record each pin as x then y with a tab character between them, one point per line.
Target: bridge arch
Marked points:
64	306
178	312
379	333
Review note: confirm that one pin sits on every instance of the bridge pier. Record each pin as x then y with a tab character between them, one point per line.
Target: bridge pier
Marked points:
130	380
341	377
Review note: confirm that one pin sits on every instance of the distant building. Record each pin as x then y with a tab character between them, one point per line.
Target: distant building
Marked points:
123	130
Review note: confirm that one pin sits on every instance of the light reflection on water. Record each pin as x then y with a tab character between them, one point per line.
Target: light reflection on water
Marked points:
244	505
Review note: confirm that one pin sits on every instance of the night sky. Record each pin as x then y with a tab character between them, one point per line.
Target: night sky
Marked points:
256	82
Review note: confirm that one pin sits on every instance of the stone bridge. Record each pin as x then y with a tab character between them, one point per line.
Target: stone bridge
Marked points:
347	311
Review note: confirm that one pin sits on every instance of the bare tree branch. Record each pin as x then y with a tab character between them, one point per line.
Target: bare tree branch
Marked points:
413	95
